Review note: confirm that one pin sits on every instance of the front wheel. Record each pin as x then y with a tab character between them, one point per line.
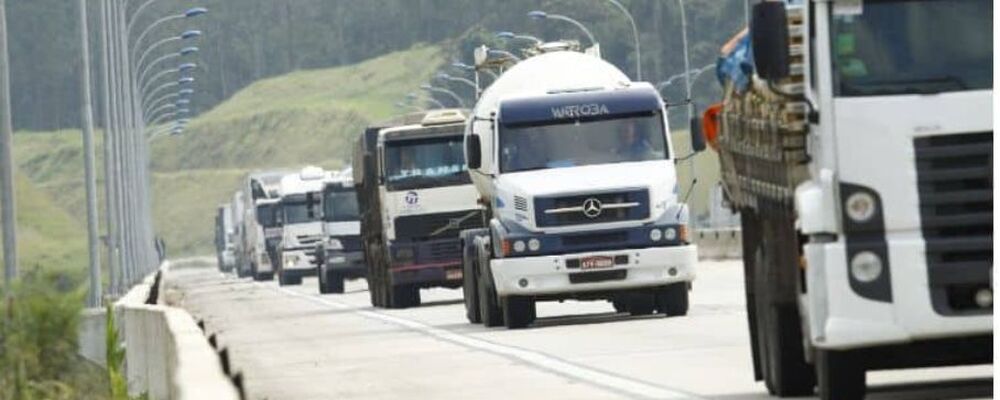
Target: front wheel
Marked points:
285	279
672	299
518	311
470	279
489	310
839	376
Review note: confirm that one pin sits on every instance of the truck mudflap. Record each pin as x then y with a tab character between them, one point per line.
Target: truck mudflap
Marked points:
594	271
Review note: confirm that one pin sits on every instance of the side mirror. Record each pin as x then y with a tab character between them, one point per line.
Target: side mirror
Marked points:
769	38
697	136
473	152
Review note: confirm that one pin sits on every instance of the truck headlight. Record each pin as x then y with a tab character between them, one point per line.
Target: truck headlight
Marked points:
860	207
655	235
519	246
866	267
670	233
534	245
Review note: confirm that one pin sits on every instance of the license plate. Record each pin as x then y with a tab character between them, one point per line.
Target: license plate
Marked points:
453	274
597	262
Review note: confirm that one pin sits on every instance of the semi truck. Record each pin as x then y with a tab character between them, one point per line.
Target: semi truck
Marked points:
340	256
855	139
574	164
301	224
262	192
268	224
415	196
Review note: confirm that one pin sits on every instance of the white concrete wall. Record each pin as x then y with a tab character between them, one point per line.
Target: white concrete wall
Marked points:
719	244
167	355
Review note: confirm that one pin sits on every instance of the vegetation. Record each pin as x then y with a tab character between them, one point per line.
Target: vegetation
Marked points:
38	348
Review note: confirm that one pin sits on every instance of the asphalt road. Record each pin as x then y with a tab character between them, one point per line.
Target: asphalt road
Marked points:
292	343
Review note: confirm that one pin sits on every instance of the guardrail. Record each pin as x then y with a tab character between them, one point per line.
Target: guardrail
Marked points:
167	353
719	243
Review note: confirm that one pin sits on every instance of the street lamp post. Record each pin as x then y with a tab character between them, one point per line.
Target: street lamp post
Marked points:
513	36
448	78
635	35
413	96
458	99
7	207
90	177
540	15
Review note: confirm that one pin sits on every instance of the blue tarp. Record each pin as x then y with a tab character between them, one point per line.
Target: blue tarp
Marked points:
737	66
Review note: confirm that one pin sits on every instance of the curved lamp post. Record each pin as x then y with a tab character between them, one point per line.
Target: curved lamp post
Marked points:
503	54
414	96
186	35
164	58
468	68
635	36
453	95
514	36
190	13
540	15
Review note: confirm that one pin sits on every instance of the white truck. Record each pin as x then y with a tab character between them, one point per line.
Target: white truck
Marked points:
237	209
301	224
259	210
859	153
575	165
415	197
340	256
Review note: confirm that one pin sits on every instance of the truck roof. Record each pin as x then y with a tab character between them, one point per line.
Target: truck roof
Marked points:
579	104
309	179
434	123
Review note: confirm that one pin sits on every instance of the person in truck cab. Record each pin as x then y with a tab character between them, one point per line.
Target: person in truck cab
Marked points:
635	144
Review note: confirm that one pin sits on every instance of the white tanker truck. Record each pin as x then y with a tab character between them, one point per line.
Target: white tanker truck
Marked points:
574	164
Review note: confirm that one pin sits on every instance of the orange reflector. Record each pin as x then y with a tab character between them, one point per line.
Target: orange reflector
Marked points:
505	247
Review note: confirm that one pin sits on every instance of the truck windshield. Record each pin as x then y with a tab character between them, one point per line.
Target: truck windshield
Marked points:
637	137
301	209
913	47
267	215
425	163
340	206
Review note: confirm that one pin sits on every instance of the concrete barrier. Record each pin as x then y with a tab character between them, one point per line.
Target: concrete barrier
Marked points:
167	356
719	243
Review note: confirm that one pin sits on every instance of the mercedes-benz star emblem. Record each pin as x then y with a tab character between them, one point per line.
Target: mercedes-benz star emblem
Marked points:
592	208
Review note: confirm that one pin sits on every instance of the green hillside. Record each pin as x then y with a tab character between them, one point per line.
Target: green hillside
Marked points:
305	116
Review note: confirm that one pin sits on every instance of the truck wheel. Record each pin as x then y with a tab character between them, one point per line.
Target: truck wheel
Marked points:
518	311
620	304
334	282
641	303
785	370
321	281
404	296
672	299
264	276
285	279
489	310
750	232
470	279
839	375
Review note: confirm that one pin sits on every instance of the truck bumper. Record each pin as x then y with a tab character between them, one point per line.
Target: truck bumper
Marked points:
350	263
839	319
431	263
297	262
549	275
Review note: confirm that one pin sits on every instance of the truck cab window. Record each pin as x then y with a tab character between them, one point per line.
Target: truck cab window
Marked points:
913	47
340	206
629	138
425	163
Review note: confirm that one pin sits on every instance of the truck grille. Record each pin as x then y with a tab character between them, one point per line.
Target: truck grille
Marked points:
437	226
569	210
308	240
955	183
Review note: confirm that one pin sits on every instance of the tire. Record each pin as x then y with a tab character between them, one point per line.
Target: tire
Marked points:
287	280
335	282
489	310
404	296
750	228
641	303
264	276
779	338
672	300
620	305
470	280
518	311
840	376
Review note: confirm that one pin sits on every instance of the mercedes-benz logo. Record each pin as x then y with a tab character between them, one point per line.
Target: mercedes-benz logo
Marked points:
592	208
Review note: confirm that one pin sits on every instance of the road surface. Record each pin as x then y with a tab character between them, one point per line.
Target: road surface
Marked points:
292	343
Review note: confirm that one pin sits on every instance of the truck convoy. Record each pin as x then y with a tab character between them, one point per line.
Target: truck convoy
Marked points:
859	154
415	196
340	256
301	224
575	166
262	194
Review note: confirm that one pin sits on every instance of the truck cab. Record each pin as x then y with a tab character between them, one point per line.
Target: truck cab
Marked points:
340	256
415	196
224	237
262	194
858	150
268	225
301	224
577	168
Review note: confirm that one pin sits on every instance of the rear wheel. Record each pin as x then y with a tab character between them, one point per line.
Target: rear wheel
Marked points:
619	304
840	376
404	296
489	310
672	299
264	276
470	280
641	303
286	279
518	311
779	335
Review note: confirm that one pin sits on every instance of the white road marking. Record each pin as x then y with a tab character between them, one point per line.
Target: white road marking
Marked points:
630	387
